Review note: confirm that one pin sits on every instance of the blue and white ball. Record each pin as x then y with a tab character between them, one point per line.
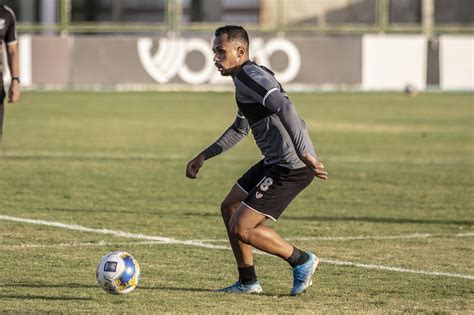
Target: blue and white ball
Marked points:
410	90
118	273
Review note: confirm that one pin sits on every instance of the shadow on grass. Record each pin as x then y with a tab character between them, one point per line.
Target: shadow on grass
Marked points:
43	297
135	211
41	286
380	220
315	218
47	285
88	286
197	290
175	289
90	210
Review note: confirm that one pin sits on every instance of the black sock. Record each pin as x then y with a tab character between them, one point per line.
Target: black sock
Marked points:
247	275
298	257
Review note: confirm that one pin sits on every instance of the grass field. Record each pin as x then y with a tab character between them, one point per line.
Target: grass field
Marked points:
82	174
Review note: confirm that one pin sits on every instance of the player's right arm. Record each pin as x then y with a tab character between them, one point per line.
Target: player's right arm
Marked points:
236	132
194	165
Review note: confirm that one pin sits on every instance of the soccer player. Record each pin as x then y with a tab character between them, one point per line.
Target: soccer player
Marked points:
266	189
8	36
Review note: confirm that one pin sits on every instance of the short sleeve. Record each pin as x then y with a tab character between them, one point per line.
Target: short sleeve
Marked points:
255	85
10	26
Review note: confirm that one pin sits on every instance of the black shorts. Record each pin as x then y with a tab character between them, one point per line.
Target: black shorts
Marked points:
271	188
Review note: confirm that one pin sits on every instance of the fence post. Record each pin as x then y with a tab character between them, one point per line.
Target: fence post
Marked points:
427	16
178	12
383	15
173	15
280	23
65	17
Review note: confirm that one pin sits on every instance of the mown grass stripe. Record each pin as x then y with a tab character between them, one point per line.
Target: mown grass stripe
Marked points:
39	155
168	240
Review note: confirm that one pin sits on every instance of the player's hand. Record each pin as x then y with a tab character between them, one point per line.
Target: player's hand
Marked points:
194	165
14	92
316	166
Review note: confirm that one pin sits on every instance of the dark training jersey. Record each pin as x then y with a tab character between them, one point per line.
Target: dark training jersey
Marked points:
7	33
265	109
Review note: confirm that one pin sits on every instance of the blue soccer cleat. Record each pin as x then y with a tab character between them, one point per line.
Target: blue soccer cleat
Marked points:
303	274
242	288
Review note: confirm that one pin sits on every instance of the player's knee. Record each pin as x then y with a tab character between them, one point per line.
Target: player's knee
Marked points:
240	232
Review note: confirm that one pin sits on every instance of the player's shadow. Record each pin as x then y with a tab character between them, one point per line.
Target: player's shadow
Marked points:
163	288
89	286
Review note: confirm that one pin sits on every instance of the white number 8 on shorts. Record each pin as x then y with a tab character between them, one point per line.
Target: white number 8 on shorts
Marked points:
266	184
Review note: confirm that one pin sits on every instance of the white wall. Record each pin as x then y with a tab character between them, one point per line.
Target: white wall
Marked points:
456	62
390	62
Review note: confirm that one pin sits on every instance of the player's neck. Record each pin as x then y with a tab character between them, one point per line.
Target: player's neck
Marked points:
239	66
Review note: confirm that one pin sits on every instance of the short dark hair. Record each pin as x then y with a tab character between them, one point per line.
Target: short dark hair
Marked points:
234	32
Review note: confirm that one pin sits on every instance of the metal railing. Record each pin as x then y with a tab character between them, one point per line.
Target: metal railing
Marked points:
173	16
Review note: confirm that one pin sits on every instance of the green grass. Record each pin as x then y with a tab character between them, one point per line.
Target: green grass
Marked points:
398	166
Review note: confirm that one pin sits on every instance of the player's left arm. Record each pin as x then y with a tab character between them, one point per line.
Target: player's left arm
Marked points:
13	63
13	58
282	106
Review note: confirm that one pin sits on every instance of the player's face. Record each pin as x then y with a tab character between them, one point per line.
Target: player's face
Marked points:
227	56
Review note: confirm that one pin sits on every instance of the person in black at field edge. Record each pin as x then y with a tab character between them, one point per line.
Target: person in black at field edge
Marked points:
267	188
8	35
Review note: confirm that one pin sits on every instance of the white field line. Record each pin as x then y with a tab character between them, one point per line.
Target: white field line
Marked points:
151	156
464	234
76	227
327	261
68	245
167	240
397	269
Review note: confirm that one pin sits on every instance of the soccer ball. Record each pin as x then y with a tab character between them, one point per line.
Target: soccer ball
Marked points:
410	90
118	272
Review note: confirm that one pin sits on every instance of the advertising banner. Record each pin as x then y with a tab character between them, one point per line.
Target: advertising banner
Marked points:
93	61
369	62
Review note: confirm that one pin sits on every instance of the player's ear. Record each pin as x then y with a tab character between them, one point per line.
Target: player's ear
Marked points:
240	51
